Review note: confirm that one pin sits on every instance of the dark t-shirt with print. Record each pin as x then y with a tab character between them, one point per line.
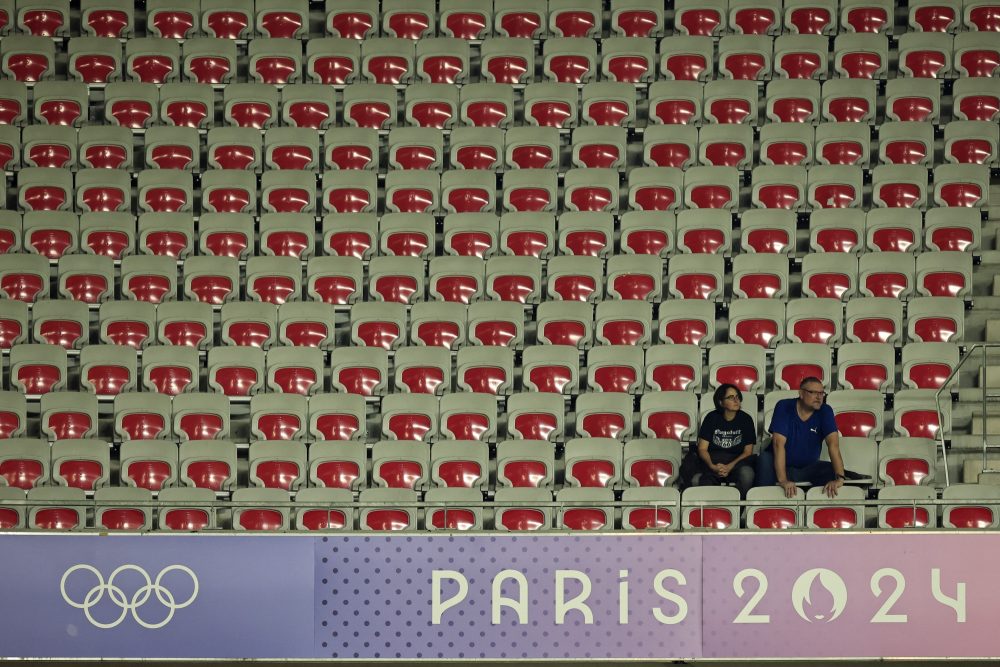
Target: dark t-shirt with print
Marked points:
726	439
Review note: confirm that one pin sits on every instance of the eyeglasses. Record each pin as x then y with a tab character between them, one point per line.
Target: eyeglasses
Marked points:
820	393
734	397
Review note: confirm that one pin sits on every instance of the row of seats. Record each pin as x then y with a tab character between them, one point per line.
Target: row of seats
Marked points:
420	19
780	144
522	190
140	325
963	506
469	280
110	370
363	236
95	60
589	462
460	416
138	106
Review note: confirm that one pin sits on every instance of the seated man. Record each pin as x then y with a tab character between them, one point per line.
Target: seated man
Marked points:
799	427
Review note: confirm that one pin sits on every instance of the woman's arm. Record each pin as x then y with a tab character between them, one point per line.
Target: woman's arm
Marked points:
703	453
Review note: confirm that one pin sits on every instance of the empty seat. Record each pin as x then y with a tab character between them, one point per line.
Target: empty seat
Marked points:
711	187
378	325
389	510
586	509
870	366
535	416
849	101
883	274
815	321
908	507
893	230
669	414
917	413
37	368
401	465
913	100
907	461
486	105
525	463
976	99
200	416
308	107
140	417
551	105
575	18
25	463
213	280
439	325
611	369
186	324
929	365
208	465
739	364
236	148
282	19
249	324
337	417
62	323
647	233
974	506
794	362
935	319
352	20
338	465
468	417
549	368
838	513
859	413
261	509
361	371
81	463
829	275
961	185
277	464
324	509
696	276
658	188
169	369
944	274
676	102
236	371
874	320
61	509
604	416
674	367
726	146
710	507
27	58
67	415
757	323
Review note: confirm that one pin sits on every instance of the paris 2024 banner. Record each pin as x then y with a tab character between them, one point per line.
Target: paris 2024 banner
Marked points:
500	596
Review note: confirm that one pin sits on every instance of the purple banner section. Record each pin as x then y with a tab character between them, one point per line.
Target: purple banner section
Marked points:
156	596
840	595
508	596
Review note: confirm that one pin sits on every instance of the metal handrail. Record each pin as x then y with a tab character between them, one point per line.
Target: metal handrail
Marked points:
945	387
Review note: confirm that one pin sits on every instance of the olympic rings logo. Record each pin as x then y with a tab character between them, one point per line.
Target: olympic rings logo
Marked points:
129	604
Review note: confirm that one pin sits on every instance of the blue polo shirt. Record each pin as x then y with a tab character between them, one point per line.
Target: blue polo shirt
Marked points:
804	439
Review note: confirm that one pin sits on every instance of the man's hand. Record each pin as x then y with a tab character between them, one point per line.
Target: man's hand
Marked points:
832	486
789	487
722	469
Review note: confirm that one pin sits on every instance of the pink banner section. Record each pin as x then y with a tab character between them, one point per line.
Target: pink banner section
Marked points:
858	596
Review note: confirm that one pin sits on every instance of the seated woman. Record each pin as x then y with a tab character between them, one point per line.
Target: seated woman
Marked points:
725	443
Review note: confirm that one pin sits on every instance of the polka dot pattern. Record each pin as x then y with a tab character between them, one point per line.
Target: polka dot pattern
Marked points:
373	597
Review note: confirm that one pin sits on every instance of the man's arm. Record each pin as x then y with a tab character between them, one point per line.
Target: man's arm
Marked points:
837	461
778	444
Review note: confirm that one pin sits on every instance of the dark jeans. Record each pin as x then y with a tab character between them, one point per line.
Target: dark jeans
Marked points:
741	476
817	474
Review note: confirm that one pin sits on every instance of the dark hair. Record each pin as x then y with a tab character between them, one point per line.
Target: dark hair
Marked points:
809	380
721	392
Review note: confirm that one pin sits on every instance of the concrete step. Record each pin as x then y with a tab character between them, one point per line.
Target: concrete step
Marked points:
972	470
